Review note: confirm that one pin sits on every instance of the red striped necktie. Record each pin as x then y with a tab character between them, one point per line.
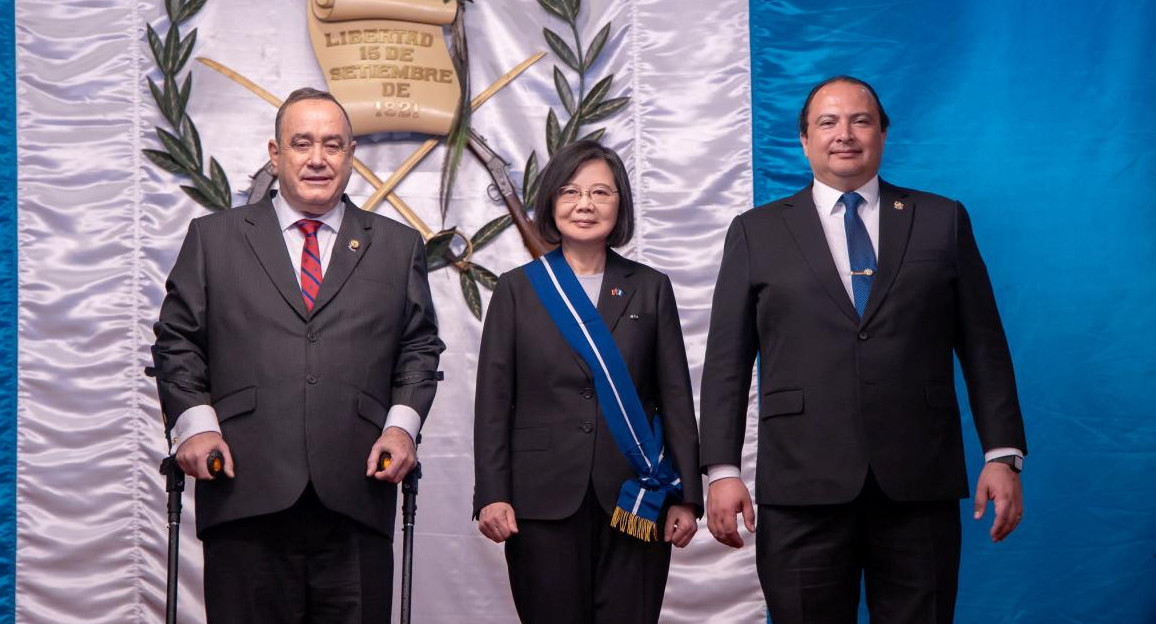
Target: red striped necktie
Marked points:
310	262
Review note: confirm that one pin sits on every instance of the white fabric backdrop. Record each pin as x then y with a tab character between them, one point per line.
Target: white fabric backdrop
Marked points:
99	228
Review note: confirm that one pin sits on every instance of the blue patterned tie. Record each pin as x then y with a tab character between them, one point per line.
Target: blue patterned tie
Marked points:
859	250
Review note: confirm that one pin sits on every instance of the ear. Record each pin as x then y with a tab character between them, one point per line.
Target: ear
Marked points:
803	141
274	155
352	147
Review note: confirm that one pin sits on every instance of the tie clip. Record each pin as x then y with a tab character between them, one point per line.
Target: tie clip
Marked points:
864	272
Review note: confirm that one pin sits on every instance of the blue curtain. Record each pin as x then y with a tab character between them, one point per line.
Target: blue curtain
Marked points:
1039	118
8	307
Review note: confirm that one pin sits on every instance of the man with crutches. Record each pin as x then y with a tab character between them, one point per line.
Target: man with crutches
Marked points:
298	339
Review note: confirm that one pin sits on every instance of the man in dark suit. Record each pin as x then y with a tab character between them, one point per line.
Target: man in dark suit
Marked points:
855	294
298	338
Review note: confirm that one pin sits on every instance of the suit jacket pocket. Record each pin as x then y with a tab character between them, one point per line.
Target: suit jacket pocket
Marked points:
236	403
372	410
530	439
782	403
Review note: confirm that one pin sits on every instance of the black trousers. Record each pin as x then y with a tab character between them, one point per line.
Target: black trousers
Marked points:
579	570
811	559
303	565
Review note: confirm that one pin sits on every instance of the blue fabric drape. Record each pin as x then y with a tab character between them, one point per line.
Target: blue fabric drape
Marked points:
1037	117
8	318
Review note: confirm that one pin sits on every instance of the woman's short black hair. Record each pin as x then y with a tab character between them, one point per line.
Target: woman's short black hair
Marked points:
558	173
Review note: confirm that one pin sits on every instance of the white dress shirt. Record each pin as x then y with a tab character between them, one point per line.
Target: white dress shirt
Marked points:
829	205
203	418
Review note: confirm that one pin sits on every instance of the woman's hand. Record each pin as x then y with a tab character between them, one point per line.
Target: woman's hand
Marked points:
496	521
681	525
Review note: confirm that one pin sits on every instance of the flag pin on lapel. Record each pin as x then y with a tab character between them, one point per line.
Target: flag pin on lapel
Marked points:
898	205
616	292
354	245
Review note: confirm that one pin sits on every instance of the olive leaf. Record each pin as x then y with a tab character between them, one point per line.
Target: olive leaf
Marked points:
483	276
437	245
561	49
558	8
595	48
489	231
606	109
471	293
564	91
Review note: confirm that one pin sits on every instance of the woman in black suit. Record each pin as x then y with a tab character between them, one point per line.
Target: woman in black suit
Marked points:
548	471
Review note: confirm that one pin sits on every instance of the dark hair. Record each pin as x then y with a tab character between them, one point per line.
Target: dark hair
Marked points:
561	169
884	121
307	93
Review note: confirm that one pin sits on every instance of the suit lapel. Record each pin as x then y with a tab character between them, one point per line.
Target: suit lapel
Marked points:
617	289
616	278
896	214
355	225
268	244
803	222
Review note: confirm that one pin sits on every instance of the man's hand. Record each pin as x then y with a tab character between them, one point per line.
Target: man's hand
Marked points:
496	521
681	525
403	455
724	500
999	483
193	453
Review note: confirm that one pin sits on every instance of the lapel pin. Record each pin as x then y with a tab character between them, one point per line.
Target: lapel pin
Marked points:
898	205
616	292
354	245
634	317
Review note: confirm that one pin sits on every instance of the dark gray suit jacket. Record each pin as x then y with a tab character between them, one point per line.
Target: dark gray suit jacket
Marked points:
539	436
839	395
301	397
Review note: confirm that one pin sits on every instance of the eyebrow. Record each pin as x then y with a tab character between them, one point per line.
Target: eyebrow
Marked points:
324	139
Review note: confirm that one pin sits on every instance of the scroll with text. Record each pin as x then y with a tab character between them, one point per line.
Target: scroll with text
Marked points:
387	62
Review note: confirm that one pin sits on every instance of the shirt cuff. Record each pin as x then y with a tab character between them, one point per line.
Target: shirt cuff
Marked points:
1002	451
721	471
196	419
405	418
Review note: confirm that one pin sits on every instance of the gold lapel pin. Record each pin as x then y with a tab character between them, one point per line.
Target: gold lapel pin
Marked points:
898	205
354	245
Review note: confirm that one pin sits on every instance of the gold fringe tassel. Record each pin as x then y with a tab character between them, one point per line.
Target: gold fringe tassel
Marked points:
634	526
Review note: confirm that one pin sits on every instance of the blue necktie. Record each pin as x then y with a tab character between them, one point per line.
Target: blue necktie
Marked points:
859	250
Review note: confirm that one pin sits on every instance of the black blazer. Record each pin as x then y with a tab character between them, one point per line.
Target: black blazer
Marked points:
838	395
301	397
539	437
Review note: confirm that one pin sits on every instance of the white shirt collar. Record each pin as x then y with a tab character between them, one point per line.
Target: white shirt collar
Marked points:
827	198
287	217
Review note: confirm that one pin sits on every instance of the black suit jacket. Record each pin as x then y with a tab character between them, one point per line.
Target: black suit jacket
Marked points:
300	396
839	395
539	436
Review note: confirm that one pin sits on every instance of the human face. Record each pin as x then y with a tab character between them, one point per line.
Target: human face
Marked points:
586	222
844	140
314	159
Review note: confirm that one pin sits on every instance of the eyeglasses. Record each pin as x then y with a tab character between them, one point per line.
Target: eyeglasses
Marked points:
600	195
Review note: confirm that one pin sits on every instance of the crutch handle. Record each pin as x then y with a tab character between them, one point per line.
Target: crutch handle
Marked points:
215	463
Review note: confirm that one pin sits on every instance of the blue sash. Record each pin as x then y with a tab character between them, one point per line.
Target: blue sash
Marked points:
641	498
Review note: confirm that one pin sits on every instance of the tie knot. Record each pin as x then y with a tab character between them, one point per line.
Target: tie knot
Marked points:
308	227
851	202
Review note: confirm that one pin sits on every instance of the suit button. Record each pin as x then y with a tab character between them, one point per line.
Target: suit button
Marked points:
863	335
588	426
312	337
310	379
587	393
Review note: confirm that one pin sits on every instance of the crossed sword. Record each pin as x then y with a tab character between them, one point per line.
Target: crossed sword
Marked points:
384	190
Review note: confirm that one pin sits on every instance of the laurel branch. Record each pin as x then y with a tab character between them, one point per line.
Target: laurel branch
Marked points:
583	107
182	154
